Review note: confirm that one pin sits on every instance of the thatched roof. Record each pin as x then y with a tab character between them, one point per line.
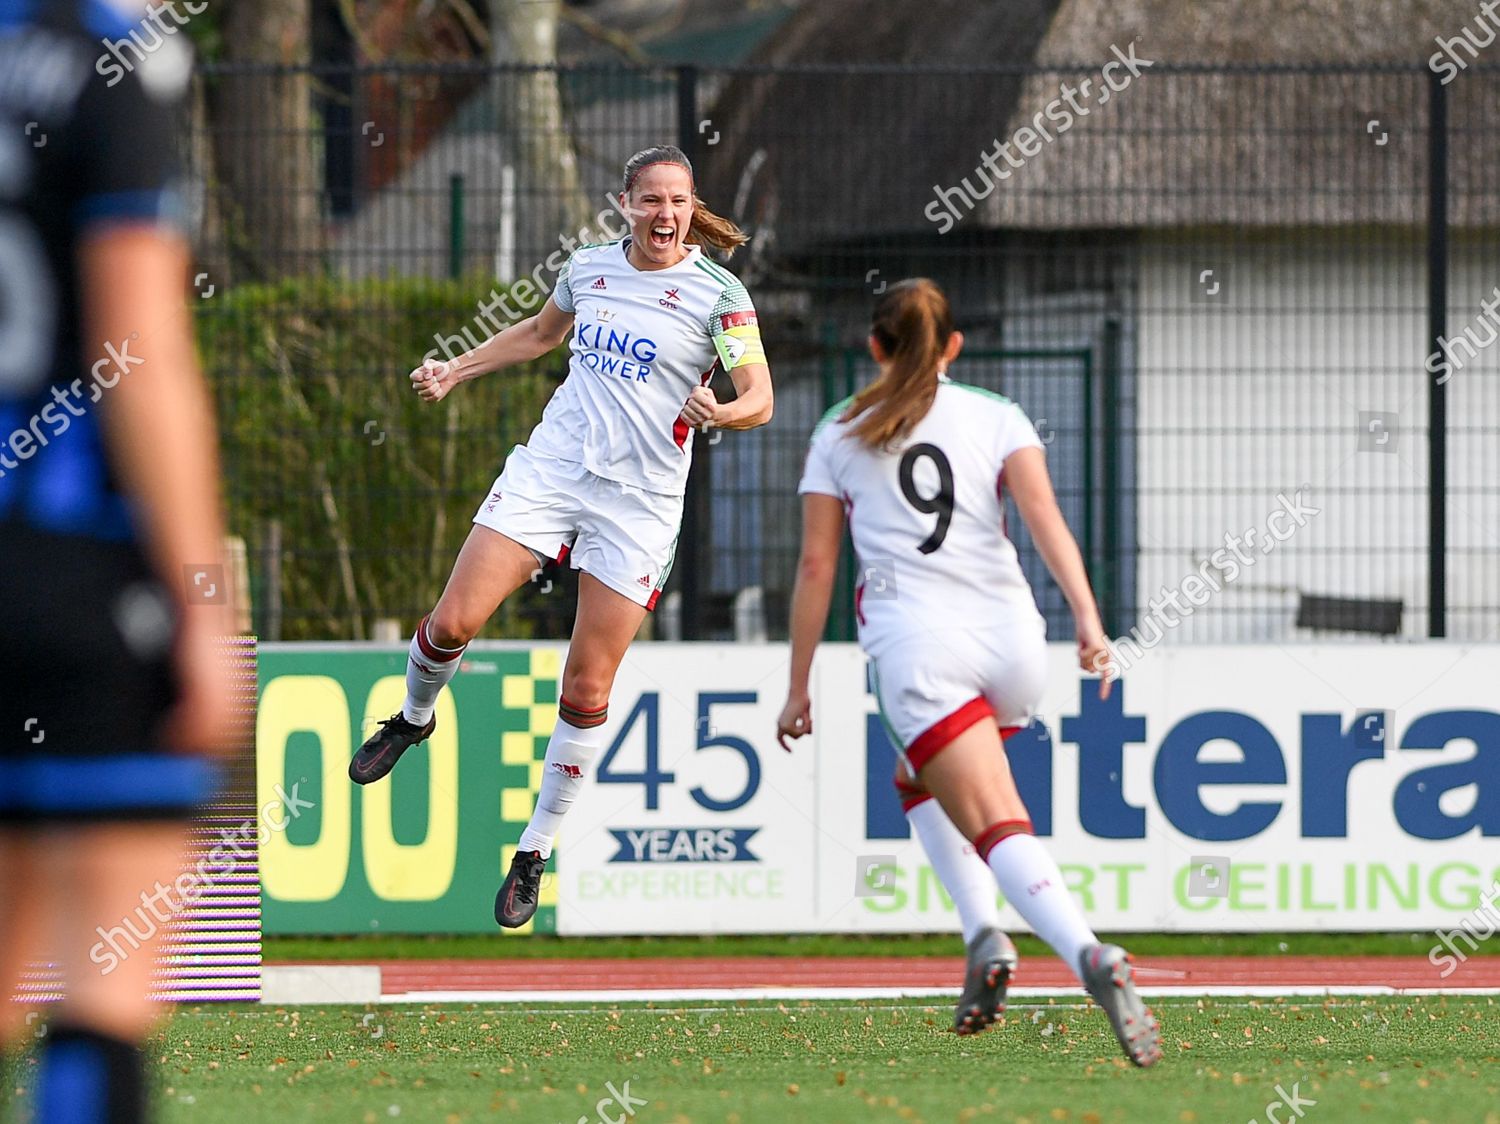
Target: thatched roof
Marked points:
1185	145
857	152
1269	149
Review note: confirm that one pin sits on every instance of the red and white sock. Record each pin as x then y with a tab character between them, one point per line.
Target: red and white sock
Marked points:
1031	881
428	670
571	750
959	868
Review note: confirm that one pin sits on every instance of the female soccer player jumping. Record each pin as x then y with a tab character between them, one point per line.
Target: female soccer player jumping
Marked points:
602	478
916	463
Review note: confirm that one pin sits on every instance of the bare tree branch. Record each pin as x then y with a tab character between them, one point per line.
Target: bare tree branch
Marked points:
473	23
352	25
669	22
621	42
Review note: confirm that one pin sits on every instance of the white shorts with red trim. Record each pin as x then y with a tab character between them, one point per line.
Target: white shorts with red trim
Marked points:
622	535
935	686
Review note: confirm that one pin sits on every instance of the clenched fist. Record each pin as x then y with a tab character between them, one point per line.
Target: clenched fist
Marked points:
701	407
433	379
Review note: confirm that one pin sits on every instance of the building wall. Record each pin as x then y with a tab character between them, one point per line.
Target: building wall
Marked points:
1268	384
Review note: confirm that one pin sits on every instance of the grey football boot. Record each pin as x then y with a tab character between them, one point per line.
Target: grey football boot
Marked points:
991	965
1108	976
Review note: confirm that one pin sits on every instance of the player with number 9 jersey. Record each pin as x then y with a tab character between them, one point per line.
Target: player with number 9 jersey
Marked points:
938	580
917	465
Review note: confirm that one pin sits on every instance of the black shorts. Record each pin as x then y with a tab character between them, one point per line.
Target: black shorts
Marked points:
86	680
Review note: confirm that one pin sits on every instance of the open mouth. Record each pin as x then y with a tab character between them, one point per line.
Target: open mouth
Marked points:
662	237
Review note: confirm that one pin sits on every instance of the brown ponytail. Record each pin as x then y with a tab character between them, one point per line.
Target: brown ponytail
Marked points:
709	229
913	324
706	228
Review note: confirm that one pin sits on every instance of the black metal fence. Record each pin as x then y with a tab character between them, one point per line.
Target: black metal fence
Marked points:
1222	294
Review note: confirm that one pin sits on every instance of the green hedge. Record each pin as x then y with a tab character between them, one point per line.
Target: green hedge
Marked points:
321	432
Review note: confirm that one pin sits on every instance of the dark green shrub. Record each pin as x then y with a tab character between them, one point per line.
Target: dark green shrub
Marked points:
323	436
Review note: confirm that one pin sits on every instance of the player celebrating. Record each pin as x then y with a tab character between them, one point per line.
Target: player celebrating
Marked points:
602	478
108	503
916	462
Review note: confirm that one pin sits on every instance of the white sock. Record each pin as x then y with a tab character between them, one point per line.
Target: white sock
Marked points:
570	756
428	670
1031	882
963	873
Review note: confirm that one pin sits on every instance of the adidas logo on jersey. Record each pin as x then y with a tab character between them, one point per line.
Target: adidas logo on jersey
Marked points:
598	284
733	348
644	580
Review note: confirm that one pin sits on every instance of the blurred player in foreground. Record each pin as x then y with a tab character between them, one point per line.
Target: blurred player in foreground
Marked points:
916	463
114	694
602	477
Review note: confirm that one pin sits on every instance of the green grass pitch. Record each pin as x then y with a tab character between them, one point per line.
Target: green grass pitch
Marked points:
1360	1059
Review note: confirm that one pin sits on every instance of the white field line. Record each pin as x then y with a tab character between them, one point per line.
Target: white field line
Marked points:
730	994
938	1003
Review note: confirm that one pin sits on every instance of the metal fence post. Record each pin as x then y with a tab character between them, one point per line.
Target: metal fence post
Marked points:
1111	439
456	225
1090	538
693	551
1437	327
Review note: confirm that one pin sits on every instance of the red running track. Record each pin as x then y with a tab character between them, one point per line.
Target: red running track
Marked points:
694	973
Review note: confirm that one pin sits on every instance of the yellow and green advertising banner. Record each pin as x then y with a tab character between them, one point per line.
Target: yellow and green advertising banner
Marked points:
426	849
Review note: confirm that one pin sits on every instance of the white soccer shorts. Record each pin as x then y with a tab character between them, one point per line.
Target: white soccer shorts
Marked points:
622	535
934	686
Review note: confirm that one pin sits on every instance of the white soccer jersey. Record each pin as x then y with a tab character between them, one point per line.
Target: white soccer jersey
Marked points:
927	518
642	340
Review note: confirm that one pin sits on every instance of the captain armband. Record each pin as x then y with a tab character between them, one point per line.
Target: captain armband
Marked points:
737	340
